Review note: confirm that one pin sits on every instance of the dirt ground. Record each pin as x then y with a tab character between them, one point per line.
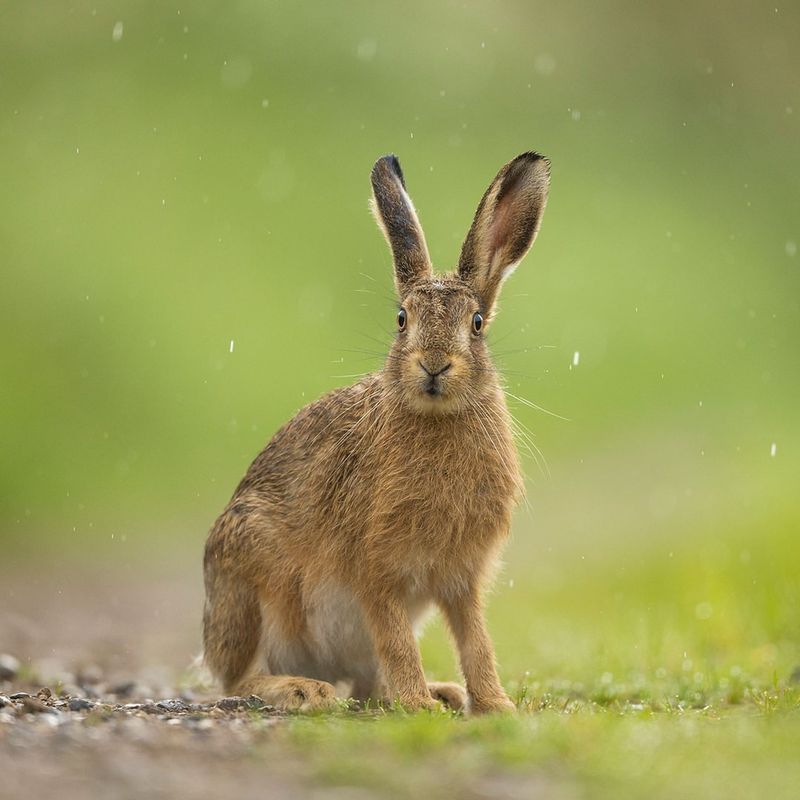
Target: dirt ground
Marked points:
97	702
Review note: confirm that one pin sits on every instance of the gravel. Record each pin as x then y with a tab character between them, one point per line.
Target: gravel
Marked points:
54	741
20	709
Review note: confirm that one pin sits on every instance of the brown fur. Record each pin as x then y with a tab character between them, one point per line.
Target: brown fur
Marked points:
383	497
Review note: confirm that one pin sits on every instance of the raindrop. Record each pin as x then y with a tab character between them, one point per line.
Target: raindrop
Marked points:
703	611
117	31
545	64
366	49
235	73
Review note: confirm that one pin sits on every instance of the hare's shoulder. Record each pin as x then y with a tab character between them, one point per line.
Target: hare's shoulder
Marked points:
304	440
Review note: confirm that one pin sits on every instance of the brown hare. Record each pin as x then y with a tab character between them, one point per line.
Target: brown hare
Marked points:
385	499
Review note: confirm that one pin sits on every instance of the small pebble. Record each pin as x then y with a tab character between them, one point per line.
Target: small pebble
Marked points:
253	702
172	705
9	667
231	703
123	689
30	705
90	675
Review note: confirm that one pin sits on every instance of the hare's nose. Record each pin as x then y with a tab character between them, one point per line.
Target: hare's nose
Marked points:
434	373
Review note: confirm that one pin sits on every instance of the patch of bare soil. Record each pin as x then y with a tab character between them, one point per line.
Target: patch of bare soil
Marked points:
73	746
94	696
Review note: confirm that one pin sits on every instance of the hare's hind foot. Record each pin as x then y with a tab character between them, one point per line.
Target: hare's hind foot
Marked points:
451	694
288	693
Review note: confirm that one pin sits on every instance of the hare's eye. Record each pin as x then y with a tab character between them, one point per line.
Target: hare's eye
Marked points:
477	323
401	319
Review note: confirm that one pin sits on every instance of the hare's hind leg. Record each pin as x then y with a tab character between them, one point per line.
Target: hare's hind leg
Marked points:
231	626
233	633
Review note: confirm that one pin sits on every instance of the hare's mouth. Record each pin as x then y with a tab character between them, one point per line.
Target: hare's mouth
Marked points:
433	382
432	387
434	396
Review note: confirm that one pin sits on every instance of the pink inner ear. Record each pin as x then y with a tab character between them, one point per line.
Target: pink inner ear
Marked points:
501	224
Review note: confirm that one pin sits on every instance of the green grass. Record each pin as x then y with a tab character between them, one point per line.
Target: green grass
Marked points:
618	750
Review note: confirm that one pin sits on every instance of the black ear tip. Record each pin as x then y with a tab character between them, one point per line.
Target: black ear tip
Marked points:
529	166
530	157
391	163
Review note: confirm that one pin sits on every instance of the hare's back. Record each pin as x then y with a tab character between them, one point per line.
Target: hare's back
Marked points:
309	453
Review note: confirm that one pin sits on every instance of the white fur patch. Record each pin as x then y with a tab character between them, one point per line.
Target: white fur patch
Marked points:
337	646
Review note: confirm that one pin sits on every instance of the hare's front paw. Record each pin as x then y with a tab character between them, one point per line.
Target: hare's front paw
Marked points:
293	694
451	694
499	704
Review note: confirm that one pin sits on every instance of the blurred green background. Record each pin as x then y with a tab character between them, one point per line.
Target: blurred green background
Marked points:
187	259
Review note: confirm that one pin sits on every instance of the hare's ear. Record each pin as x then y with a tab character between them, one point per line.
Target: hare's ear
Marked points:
505	225
397	218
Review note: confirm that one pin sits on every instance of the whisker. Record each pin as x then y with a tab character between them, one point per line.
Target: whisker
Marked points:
503	353
481	413
375	339
536	451
501	338
530	404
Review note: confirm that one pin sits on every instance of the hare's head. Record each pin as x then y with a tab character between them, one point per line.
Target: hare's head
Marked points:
439	361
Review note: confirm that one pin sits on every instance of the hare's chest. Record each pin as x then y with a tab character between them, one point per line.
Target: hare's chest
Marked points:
447	497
